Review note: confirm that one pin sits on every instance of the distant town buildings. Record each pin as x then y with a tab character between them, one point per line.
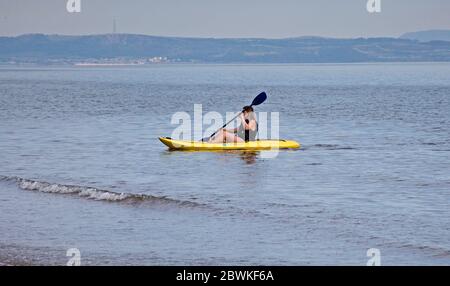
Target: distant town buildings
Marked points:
158	60
122	61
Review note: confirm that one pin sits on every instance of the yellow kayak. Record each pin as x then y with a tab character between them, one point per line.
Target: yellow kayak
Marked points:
251	145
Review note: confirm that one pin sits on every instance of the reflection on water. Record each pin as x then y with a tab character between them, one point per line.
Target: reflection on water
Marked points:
249	157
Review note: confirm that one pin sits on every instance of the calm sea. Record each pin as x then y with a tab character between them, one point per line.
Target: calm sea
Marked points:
81	166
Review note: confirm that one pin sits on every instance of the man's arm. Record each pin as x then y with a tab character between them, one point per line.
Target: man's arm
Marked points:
248	126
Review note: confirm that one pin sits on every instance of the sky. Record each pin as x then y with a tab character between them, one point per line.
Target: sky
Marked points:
225	18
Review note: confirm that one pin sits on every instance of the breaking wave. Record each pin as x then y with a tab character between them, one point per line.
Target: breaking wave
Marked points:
93	193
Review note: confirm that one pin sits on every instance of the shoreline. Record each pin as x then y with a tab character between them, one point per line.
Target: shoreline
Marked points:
5	264
81	65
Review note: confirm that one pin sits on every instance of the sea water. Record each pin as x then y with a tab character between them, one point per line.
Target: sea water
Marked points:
81	166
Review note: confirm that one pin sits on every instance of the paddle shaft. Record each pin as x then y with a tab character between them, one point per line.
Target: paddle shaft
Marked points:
260	98
225	124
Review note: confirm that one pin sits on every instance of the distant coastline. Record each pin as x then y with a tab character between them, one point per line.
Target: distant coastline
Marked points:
131	49
106	64
95	65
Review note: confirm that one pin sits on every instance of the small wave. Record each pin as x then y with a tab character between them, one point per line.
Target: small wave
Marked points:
329	147
126	198
431	143
431	250
435	143
434	251
92	193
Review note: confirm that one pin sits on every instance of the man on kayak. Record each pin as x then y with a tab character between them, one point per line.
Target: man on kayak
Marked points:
246	131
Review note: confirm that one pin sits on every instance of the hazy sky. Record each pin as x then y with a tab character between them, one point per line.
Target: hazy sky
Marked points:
225	18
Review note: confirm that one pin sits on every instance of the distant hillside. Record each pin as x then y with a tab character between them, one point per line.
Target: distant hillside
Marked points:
38	48
427	36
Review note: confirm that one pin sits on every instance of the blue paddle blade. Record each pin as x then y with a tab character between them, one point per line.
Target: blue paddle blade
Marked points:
259	99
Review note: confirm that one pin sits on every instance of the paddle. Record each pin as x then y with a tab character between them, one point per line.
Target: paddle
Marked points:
260	98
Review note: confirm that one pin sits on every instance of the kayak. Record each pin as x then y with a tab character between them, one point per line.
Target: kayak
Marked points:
251	145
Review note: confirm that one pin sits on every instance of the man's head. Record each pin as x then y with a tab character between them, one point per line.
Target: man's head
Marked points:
247	110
